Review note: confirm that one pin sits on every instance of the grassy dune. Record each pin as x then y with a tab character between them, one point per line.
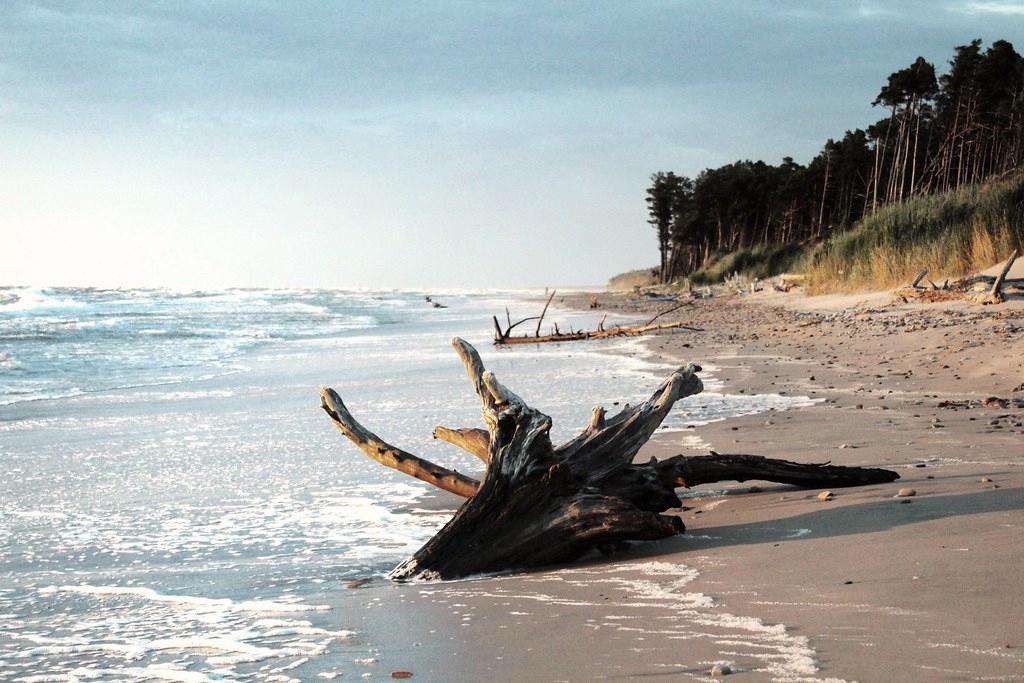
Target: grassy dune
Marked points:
951	235
759	262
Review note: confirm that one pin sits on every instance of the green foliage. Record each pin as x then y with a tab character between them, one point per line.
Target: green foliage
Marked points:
938	135
756	262
668	199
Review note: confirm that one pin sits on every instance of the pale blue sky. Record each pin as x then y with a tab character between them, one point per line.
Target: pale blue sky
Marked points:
411	144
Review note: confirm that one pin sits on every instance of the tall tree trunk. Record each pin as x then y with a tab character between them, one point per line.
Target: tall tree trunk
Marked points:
824	191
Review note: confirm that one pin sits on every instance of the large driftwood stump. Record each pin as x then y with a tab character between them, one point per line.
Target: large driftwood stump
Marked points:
541	504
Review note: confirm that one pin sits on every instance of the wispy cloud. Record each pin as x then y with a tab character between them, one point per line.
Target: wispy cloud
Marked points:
868	10
990	7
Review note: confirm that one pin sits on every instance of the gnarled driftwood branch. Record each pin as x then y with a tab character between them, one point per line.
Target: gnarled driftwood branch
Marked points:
540	504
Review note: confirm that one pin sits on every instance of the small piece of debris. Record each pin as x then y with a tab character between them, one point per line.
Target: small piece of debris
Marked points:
401	674
986	480
720	669
906	493
825	495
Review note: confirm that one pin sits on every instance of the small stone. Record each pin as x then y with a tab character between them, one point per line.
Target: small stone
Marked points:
825	495
847	583
906	493
920	464
720	669
986	480
401	674
844	445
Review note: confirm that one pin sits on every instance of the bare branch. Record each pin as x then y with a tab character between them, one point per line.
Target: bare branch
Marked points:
469	439
536	332
674	308
390	456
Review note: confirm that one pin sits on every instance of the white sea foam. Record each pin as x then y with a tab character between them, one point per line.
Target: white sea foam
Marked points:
35	514
162	672
665	607
265	606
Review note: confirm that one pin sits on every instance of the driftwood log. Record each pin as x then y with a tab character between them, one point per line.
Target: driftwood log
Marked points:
579	335
540	504
963	288
505	336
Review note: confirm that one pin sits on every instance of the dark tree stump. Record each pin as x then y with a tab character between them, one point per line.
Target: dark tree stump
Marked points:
539	504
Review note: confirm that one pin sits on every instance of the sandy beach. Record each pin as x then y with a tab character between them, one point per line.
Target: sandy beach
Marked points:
781	585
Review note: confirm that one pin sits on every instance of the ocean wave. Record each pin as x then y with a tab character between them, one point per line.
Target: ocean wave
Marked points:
9	397
24	300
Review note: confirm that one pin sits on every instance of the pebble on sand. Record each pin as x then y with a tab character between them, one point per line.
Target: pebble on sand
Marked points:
720	669
826	495
401	674
906	493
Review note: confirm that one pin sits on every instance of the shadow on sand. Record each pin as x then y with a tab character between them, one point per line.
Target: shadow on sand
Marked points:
843	520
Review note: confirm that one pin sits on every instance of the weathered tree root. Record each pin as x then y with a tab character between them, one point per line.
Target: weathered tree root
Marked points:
539	504
962	289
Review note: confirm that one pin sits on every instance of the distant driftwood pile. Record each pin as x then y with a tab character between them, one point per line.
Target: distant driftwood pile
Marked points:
540	504
979	289
505	336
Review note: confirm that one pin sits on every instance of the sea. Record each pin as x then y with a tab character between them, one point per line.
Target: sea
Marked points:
174	505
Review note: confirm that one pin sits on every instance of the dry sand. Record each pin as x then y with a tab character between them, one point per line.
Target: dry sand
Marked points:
783	586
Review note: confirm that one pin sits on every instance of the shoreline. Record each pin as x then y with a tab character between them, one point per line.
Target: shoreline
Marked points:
781	585
893	379
760	579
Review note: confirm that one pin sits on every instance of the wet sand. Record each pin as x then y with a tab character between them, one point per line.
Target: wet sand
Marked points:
781	585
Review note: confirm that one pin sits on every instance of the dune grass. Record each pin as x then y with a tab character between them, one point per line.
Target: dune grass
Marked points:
951	235
757	262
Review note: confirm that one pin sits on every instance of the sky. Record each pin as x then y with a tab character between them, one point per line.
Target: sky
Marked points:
412	144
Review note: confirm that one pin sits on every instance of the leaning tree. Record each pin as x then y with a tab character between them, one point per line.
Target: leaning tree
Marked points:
540	504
